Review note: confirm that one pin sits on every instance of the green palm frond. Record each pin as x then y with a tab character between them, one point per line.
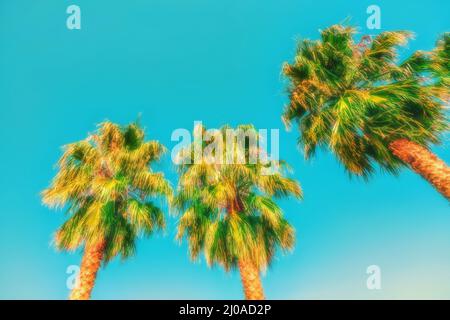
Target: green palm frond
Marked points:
228	211
355	97
106	183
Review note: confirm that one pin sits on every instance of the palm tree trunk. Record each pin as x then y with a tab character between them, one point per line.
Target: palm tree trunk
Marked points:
92	259
425	163
251	281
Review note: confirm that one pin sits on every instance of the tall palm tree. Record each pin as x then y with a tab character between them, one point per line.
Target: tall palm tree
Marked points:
106	184
356	99
228	210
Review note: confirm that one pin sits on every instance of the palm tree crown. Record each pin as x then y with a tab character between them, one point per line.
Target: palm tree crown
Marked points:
228	208
355	98
106	183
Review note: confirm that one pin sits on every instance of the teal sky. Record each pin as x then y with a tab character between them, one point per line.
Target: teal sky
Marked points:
218	62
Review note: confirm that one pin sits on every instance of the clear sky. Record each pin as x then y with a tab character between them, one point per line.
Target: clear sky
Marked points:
178	61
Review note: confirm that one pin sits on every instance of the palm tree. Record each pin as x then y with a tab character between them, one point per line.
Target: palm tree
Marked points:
106	183
357	100
228	210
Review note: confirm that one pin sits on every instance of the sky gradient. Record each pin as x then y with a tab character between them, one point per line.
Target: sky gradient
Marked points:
219	62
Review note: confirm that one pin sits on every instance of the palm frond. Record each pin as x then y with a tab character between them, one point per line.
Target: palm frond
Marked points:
106	182
355	97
